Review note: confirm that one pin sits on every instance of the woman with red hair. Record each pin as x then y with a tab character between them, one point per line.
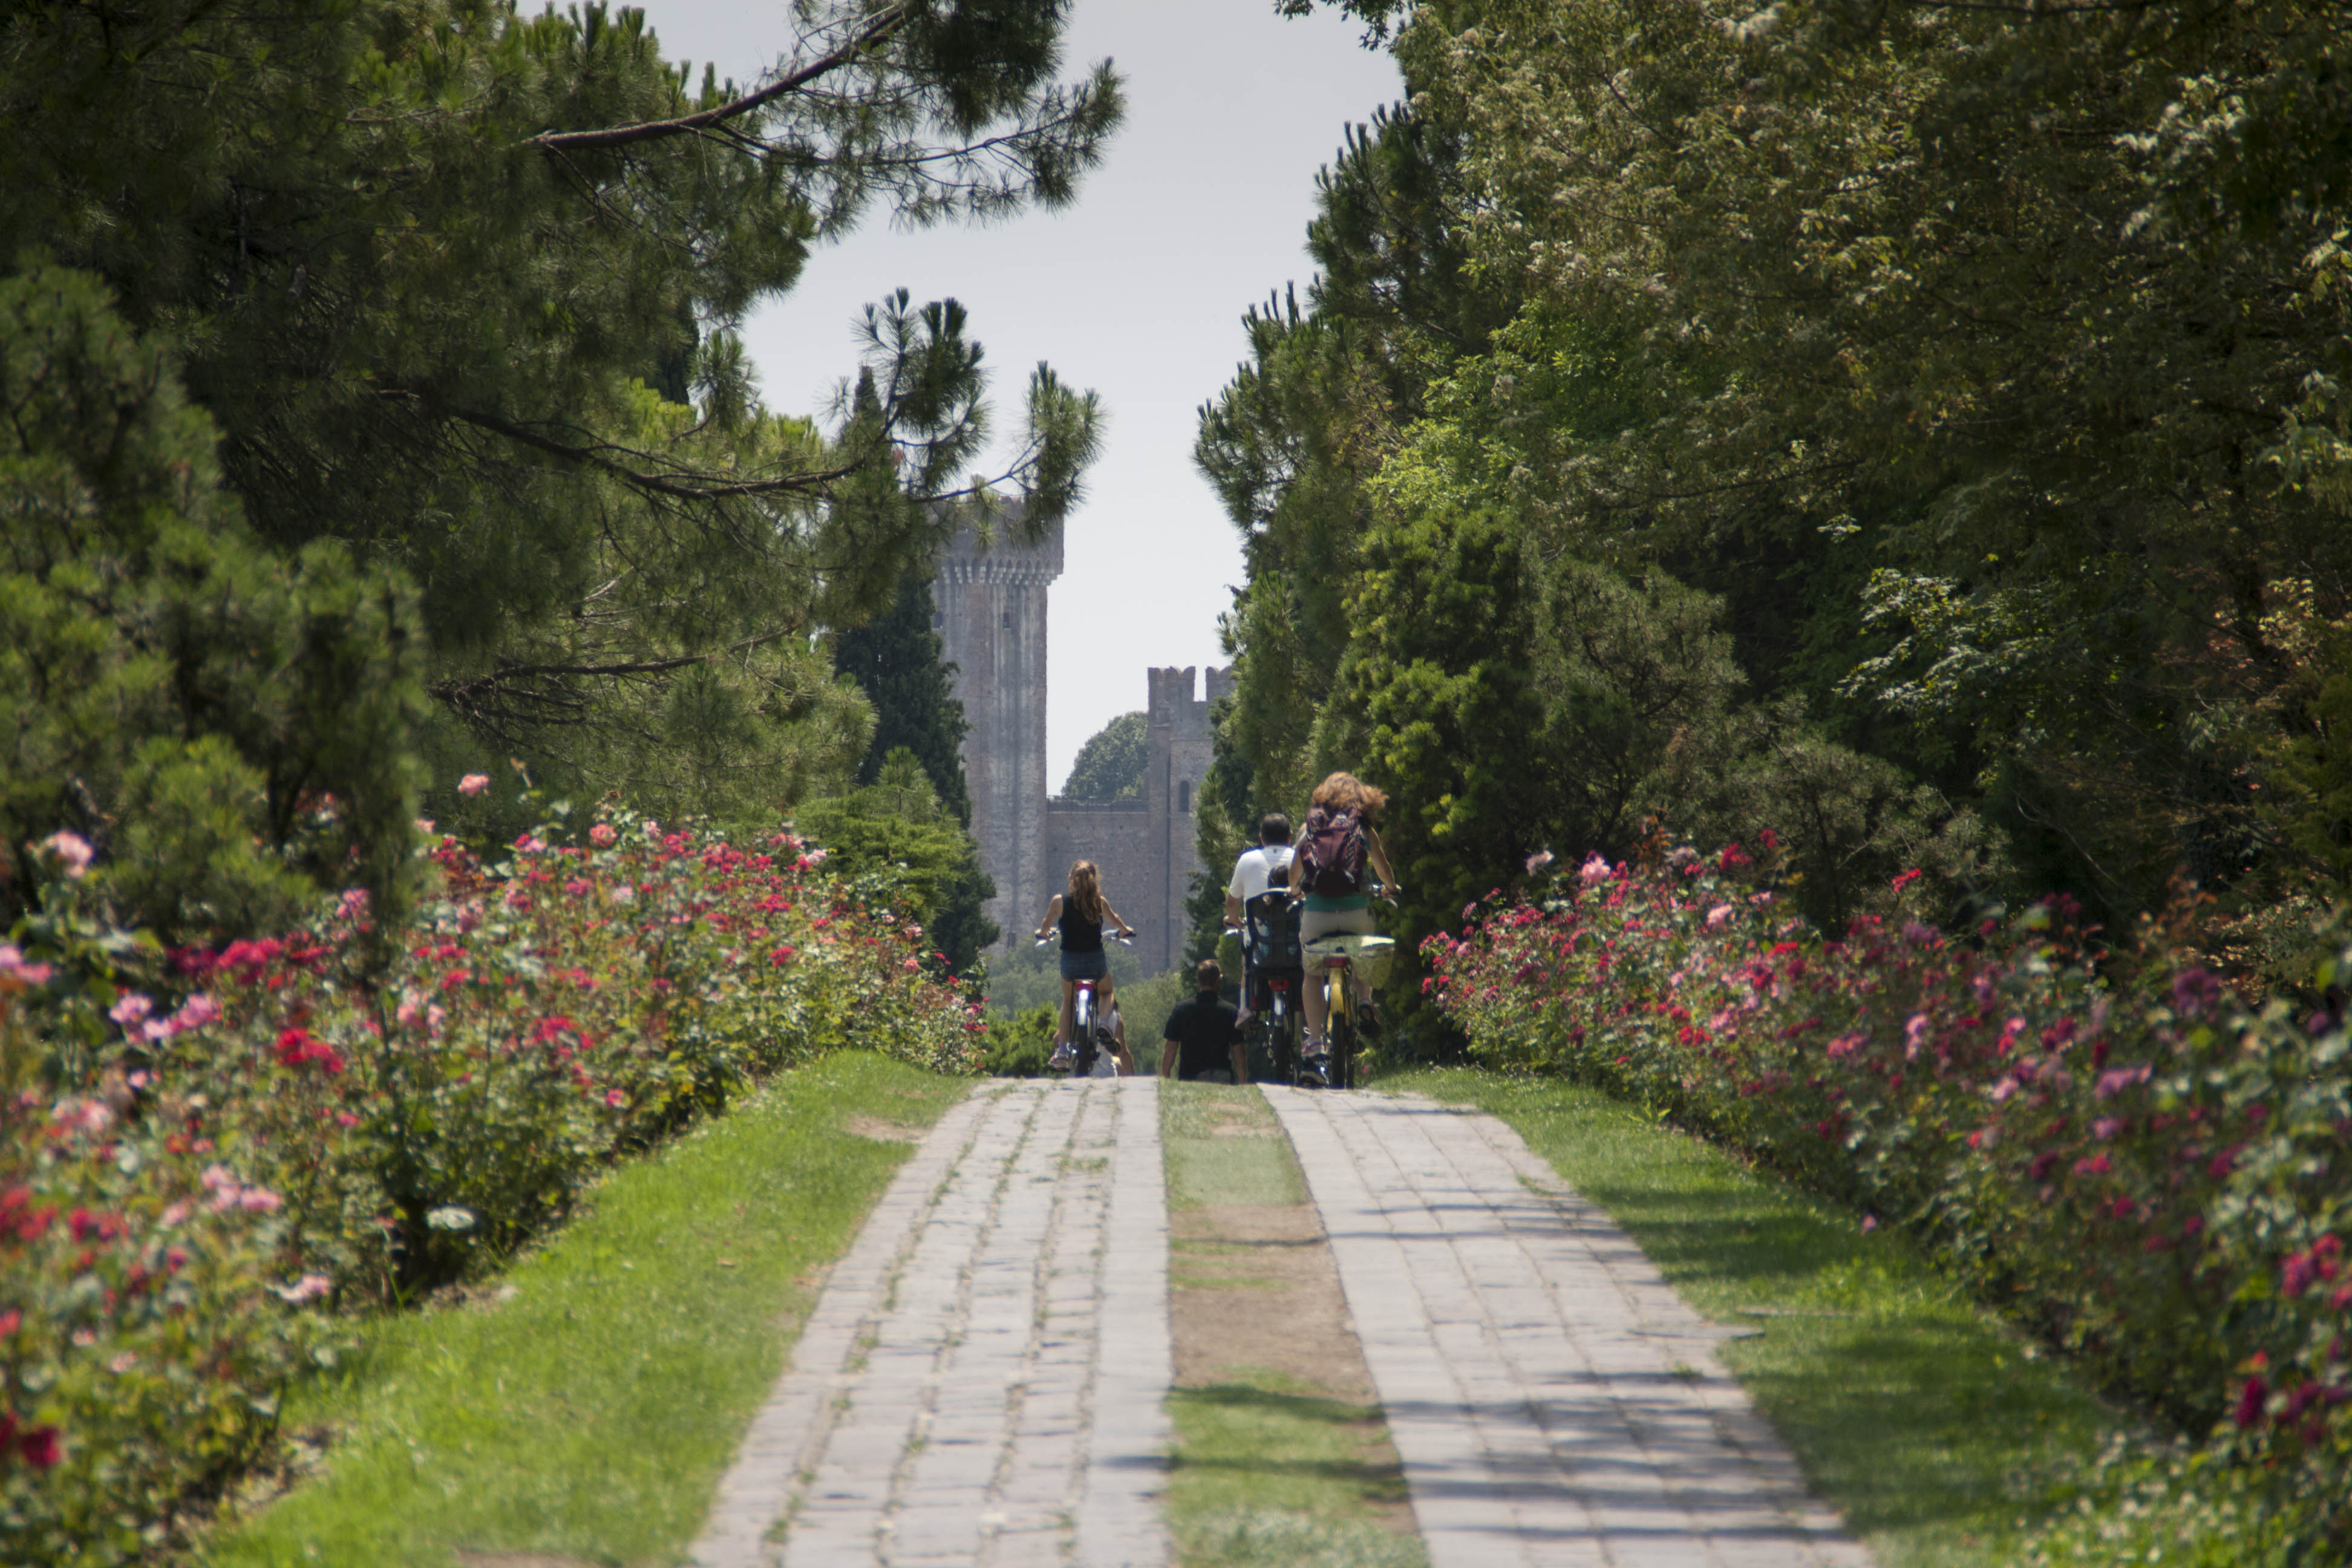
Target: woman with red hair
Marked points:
1335	844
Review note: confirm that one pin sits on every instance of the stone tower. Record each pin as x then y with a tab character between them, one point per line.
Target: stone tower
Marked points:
990	615
990	610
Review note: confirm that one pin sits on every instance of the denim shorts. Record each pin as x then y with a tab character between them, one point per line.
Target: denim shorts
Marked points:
1084	965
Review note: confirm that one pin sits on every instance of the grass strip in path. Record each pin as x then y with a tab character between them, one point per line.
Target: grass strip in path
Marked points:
1938	1431
583	1409
1282	1458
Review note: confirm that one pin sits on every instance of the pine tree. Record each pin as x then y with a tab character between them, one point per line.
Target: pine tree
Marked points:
900	662
230	728
423	260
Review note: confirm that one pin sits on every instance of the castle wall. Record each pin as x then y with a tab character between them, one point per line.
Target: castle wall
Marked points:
1118	836
1145	848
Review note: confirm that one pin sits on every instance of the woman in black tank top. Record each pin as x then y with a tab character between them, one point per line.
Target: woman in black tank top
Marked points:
1079	915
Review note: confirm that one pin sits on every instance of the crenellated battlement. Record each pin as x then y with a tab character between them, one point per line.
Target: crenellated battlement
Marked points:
1007	558
1170	695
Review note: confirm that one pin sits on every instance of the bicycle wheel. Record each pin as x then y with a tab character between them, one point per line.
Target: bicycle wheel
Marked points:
1082	1033
1341	1025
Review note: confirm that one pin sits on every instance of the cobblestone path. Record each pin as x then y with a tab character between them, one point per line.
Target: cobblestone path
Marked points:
1553	1400
984	1379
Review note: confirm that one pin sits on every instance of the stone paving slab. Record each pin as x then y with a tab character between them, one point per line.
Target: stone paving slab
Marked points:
986	1375
1554	1401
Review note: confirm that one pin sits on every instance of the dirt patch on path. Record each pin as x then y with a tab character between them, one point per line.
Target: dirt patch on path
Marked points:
882	1131
1255	1304
1254	1286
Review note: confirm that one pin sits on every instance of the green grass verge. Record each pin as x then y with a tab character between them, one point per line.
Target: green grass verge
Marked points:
589	1414
1269	1472
1940	1434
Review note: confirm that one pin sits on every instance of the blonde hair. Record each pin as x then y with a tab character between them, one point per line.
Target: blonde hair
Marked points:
1346	792
1086	890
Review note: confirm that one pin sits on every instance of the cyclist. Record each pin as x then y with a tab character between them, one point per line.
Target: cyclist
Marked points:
1327	871
1257	869
1081	914
1202	1043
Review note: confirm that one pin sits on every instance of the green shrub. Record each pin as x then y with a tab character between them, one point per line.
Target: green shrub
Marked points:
1018	1045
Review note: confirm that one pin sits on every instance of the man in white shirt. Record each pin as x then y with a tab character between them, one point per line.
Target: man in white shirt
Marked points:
1253	873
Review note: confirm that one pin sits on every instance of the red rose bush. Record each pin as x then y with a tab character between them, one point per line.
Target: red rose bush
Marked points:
205	1155
2154	1172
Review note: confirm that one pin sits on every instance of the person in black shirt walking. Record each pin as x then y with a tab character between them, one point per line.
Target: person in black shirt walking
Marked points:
1203	1041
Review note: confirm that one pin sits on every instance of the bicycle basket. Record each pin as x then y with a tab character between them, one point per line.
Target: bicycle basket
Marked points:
1369	955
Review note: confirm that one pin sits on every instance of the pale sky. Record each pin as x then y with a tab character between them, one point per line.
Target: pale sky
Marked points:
1136	290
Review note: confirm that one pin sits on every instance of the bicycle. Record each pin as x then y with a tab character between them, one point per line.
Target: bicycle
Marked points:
1348	962
1269	936
1082	1011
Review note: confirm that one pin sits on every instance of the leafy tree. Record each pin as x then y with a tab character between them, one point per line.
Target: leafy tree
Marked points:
229	727
2038	314
898	838
900	662
1111	765
422	259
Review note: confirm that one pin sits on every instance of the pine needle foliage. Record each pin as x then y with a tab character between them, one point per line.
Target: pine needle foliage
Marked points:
456	287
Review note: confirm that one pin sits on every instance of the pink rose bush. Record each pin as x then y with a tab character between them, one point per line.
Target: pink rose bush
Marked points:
205	1155
2149	1170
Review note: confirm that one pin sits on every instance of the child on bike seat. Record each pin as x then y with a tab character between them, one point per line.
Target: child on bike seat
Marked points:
1080	914
1267	866
1111	1058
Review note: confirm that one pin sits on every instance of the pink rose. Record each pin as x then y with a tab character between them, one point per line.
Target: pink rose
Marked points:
130	1009
71	851
473	783
602	834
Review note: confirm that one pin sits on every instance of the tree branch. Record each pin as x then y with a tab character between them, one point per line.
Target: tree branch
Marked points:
884	24
593	457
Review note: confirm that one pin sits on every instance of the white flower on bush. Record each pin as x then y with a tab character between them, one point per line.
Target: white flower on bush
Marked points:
622	893
449	1217
309	1288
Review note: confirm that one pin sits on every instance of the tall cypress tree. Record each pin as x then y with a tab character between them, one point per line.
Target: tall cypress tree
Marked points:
901	664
